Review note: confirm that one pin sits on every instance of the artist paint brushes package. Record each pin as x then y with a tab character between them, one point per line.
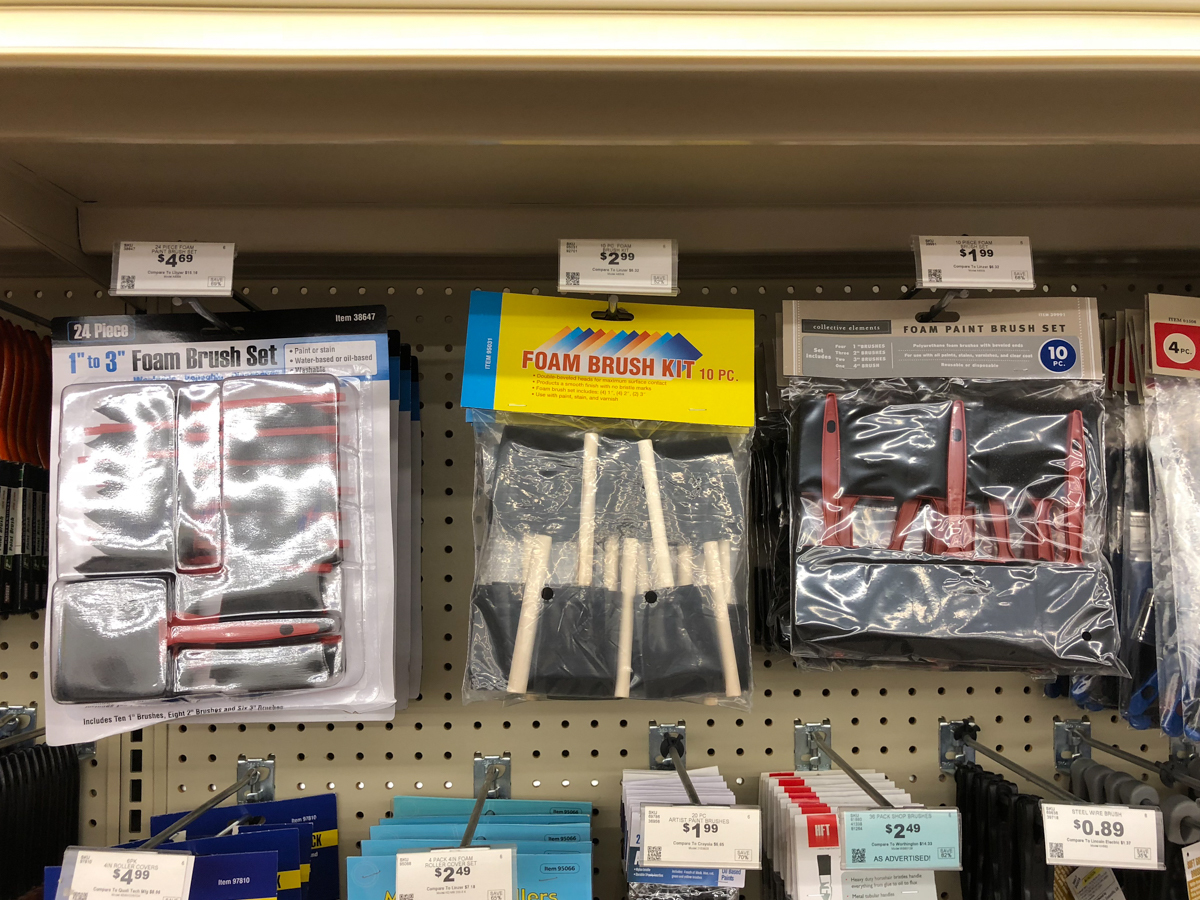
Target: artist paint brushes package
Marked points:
222	542
947	486
612	459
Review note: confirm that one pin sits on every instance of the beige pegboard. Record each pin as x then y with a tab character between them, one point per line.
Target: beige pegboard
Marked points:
885	719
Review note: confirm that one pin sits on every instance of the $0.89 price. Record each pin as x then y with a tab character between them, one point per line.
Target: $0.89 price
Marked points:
447	873
1105	828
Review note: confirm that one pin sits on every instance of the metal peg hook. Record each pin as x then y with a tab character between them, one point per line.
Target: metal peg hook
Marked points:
494	771
250	778
936	309
613	313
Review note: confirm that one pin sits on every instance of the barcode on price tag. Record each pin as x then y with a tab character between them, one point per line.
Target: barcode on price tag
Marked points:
715	837
618	267
1119	837
172	269
973	262
89	874
470	873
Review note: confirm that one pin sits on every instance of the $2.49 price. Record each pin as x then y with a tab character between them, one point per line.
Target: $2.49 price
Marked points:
447	873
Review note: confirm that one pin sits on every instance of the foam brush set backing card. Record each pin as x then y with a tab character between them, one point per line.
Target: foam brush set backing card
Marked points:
611	464
223	525
947	486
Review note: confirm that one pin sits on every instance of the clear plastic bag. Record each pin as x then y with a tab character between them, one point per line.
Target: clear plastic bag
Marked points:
950	522
209	538
610	561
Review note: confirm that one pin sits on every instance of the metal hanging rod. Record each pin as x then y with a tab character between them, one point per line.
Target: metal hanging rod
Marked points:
958	736
22	737
814	752
251	777
494	771
880	800
1070	734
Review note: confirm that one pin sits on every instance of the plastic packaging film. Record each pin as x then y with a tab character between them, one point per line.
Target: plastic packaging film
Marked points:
950	522
610	561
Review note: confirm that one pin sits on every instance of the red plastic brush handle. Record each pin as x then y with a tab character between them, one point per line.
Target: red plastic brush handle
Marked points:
998	518
251	632
1076	496
837	531
1043	524
959	538
904	519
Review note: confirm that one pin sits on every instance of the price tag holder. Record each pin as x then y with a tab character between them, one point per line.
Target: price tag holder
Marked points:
1003	263
710	837
90	874
1117	837
618	267
470	873
149	269
901	839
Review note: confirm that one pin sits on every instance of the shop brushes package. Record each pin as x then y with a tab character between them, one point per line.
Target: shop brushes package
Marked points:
947	486
612	460
1172	393
222	542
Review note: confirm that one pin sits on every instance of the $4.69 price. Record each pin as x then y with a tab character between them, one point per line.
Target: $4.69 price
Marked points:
1101	827
174	259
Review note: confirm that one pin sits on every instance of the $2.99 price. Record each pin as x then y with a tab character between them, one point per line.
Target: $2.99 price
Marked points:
614	258
1106	828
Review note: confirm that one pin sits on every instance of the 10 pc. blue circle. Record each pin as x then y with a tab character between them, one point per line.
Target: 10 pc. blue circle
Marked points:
1057	355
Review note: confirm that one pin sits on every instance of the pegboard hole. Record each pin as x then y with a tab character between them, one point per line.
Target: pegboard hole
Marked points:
360	785
360	756
537	784
595	783
825	692
566	783
883	720
912	749
448	785
624	752
853	692
595	723
388	755
537	754
941	690
389	785
854	721
419	785
183	789
329	756
740	751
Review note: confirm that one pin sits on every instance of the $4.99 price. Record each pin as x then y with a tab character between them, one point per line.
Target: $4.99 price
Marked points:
1101	827
128	876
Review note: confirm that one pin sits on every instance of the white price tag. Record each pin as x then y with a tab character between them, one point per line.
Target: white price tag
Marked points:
125	875
1005	263
149	269
618	267
714	837
1118	837
472	873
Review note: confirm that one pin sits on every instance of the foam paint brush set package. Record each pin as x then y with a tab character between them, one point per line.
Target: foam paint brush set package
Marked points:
223	520
947	486
611	469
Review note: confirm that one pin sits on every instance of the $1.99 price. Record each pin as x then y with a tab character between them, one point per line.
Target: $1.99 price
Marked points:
698	828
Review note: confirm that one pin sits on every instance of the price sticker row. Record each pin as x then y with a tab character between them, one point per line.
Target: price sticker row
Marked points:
166	269
618	267
1004	263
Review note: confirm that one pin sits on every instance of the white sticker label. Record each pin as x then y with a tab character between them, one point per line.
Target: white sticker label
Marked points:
1121	837
912	885
709	836
618	267
148	269
1005	263
1091	883
128	875
473	873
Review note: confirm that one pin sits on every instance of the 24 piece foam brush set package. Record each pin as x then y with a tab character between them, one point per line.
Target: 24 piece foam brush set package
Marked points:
610	478
223	524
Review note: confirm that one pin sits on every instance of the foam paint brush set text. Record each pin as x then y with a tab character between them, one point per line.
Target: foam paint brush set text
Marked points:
218	535
609	509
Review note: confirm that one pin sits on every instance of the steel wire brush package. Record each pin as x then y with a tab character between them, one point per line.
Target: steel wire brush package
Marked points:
611	467
947	485
222	534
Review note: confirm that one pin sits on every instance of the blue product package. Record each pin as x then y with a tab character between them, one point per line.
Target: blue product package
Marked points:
403	807
305	830
540	876
564	834
285	843
319	811
223	876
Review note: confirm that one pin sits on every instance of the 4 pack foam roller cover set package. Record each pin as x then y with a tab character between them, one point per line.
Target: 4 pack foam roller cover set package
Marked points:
223	538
